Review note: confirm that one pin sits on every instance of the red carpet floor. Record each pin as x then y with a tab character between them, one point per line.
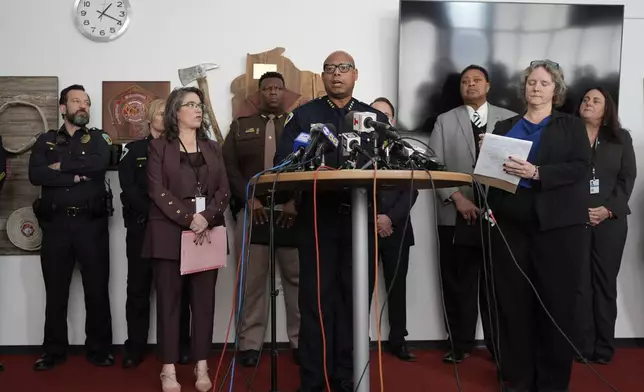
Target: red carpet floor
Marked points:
477	374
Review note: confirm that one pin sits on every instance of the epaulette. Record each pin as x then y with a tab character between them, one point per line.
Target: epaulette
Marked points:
52	130
94	129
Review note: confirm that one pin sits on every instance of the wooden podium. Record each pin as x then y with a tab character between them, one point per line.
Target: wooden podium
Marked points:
358	181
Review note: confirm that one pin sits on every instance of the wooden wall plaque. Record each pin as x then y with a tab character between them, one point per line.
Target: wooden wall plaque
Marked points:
18	124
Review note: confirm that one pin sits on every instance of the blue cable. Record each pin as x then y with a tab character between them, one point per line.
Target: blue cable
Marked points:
243	263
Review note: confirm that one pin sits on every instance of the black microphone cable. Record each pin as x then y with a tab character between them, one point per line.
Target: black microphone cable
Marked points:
400	248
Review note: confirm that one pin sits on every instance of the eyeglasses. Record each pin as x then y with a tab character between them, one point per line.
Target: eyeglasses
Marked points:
546	62
343	67
194	105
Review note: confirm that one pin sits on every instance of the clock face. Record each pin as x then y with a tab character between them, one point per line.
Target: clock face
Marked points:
102	20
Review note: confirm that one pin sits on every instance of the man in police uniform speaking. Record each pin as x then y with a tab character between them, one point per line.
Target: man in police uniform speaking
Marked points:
334	234
70	165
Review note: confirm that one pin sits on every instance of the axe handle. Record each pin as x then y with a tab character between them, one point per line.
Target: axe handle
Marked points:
203	86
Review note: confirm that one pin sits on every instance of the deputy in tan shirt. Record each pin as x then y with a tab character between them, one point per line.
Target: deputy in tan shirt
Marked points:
249	148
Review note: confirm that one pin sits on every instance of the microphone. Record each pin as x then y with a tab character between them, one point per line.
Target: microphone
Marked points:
299	144
358	121
322	137
351	143
329	140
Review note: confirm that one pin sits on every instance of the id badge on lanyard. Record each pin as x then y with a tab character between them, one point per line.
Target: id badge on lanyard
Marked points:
200	200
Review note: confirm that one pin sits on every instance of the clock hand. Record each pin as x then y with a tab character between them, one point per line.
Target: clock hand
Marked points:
111	17
104	11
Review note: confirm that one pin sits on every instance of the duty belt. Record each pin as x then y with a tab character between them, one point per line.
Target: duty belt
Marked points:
73	211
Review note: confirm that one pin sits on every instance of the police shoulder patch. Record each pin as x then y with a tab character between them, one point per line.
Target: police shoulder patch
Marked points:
288	118
107	138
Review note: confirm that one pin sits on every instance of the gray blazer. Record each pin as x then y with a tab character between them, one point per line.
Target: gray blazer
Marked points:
453	143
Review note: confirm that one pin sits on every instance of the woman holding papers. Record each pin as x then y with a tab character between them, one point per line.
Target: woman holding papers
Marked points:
613	173
544	224
189	191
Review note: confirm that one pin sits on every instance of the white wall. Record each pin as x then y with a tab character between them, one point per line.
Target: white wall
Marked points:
166	35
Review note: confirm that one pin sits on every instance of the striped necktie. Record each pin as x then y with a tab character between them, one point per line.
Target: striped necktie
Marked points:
476	119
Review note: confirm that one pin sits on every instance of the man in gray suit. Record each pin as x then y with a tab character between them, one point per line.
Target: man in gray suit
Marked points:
455	142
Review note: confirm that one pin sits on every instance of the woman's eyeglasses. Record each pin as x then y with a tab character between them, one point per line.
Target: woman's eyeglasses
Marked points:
194	105
536	63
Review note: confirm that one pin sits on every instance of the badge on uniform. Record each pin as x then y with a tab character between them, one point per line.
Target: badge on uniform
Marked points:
85	138
594	186
288	118
107	138
124	153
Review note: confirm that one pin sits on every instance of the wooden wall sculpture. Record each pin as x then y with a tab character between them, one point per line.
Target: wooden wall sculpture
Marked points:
301	86
18	125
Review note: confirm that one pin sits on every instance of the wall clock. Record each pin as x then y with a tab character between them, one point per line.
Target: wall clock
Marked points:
102	20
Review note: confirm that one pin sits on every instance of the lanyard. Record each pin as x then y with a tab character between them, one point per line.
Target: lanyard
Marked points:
194	169
594	155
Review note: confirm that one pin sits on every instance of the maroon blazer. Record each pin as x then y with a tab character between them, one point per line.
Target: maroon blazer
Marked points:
170	215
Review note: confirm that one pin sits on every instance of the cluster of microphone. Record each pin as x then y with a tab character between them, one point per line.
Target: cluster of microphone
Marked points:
386	145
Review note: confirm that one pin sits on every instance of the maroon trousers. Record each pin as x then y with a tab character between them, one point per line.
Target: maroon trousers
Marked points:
169	284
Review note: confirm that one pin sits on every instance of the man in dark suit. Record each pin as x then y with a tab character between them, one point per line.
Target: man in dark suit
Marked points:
393	246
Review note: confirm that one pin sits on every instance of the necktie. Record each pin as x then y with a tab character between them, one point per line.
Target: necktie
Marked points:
269	142
476	119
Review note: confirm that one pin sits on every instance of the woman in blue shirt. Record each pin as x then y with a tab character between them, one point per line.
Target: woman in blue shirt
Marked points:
544	225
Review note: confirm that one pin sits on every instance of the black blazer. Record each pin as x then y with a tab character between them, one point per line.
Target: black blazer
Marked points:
563	191
615	168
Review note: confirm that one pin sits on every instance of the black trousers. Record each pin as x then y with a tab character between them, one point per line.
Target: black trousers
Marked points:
395	283
137	305
597	293
66	241
169	284
533	353
336	298
465	292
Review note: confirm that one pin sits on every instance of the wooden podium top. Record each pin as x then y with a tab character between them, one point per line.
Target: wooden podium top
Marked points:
334	179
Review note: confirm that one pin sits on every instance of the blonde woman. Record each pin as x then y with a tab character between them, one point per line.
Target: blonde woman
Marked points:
544	226
133	177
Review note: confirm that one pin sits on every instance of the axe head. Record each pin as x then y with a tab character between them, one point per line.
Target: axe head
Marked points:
190	74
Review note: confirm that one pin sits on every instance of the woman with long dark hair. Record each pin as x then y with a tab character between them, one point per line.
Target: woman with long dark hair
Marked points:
613	172
184	168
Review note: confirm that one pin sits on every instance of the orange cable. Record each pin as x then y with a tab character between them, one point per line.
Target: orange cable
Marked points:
375	285
232	314
317	261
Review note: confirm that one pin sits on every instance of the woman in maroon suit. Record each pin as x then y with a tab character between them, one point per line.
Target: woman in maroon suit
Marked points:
189	191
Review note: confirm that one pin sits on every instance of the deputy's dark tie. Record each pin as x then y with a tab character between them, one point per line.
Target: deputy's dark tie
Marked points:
269	142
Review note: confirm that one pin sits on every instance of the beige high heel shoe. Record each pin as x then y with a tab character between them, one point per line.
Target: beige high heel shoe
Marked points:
169	382
203	383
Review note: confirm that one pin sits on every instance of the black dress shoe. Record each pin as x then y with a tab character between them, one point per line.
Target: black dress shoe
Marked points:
600	359
401	351
131	360
49	361
99	359
342	386
184	355
455	357
1	367
248	358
